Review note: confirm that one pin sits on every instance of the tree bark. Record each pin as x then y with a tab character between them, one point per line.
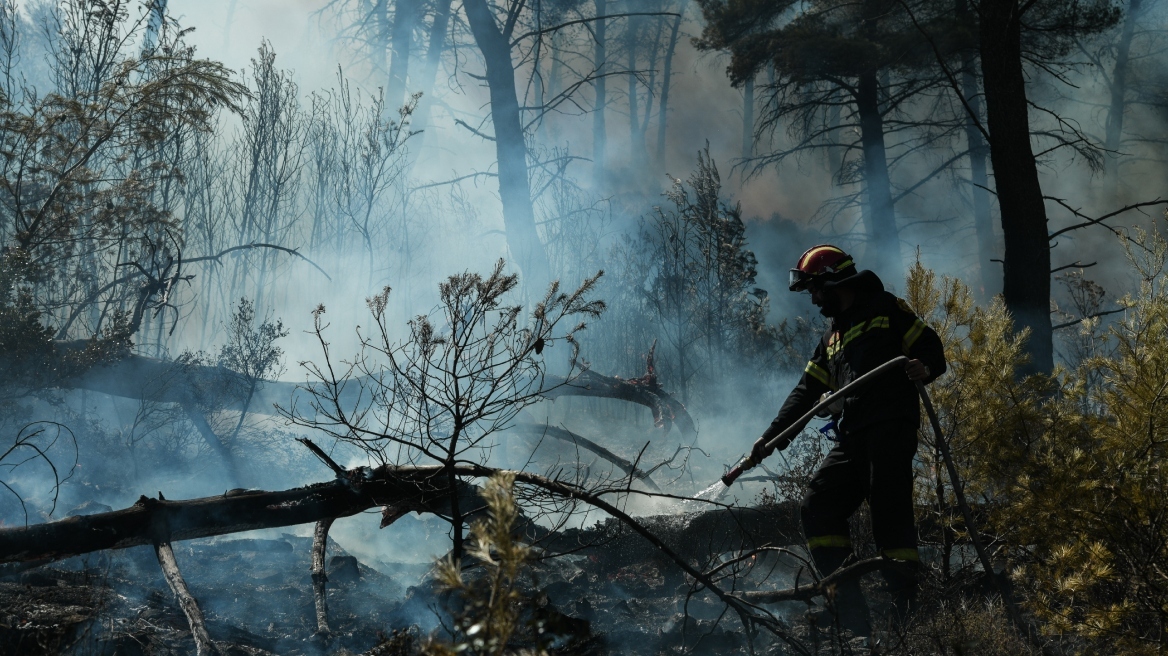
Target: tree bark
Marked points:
883	235
705	529
204	646
151	521
381	44
320	576
835	153
214	441
636	136
1026	279
510	147
555	82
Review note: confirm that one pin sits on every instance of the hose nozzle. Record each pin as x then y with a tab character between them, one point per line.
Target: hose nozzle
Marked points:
743	466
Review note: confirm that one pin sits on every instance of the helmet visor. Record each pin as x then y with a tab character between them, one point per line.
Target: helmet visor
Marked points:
800	280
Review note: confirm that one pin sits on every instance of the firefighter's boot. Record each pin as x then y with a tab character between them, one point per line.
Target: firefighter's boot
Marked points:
902	580
846	607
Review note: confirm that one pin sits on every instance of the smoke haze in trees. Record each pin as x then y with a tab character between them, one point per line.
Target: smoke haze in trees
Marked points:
316	162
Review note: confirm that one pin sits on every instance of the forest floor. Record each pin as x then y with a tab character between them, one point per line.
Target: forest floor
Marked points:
256	595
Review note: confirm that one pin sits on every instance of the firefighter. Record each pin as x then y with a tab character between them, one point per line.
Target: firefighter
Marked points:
876	426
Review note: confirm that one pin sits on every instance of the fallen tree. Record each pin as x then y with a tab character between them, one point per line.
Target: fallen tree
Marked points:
157	520
194	387
397	490
685	542
139	377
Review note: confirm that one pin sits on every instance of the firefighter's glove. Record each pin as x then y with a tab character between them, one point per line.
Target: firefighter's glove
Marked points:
834	409
760	451
916	370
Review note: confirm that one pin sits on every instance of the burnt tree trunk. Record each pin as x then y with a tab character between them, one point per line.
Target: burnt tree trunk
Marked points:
161	381
1026	278
748	118
199	421
666	73
405	14
152	521
437	45
667	411
880	220
979	183
636	138
1118	94
703	531
510	147
978	175
599	130
835	153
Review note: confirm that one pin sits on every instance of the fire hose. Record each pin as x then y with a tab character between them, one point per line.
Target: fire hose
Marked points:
794	429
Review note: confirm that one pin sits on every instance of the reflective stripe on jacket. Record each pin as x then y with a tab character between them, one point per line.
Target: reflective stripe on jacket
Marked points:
877	328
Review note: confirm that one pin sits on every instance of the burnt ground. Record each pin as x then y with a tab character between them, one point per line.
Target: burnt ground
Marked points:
257	598
256	595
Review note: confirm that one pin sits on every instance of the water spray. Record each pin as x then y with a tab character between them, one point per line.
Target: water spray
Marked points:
747	463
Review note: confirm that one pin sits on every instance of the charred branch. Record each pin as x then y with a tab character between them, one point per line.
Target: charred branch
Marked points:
667	411
152	520
319	577
582	442
190	607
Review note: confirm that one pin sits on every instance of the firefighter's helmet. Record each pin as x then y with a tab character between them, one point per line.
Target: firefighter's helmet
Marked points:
821	264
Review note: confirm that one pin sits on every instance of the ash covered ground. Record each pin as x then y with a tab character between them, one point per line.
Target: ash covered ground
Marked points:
616	595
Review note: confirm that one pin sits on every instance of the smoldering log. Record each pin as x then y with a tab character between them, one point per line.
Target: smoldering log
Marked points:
398	490
152	521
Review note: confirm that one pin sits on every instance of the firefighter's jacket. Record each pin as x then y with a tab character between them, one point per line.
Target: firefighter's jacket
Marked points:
875	329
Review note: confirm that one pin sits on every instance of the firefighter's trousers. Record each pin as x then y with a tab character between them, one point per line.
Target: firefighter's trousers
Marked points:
873	464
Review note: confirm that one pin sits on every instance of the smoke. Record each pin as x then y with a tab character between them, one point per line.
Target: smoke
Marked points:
430	229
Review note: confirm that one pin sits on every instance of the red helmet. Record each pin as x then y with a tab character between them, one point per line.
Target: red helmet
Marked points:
823	263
